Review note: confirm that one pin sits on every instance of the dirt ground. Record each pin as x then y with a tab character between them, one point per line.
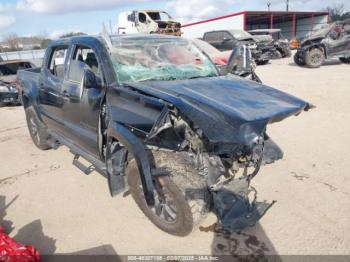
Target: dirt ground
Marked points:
47	202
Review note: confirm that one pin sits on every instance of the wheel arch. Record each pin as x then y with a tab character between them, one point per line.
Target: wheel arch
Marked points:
135	146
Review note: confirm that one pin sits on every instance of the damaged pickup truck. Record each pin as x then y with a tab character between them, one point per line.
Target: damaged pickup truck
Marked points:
153	114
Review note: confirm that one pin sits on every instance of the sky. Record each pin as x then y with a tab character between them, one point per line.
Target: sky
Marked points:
53	18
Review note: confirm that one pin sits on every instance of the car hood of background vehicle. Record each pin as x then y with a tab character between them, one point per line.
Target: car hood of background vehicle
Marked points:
226	108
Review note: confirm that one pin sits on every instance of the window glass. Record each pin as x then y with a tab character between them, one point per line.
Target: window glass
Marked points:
225	35
86	55
213	36
56	64
83	57
142	18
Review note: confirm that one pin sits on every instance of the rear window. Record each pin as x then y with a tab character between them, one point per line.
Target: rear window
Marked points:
12	68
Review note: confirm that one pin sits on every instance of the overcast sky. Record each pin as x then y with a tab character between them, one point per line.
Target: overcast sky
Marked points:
55	17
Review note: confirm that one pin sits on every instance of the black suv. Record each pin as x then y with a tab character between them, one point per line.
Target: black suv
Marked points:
331	41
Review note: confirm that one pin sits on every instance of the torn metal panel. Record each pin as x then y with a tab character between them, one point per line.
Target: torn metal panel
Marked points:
234	209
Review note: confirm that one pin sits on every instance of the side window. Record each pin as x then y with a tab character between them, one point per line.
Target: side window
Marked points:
225	35
83	57
87	55
213	36
56	63
142	18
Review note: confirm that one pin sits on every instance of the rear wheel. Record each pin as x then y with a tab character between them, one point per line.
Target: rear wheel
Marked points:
314	58
181	198
37	132
345	60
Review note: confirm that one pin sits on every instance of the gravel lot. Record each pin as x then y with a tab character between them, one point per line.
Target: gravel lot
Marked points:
47	202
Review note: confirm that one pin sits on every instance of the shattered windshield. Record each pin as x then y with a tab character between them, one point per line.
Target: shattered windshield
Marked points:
158	58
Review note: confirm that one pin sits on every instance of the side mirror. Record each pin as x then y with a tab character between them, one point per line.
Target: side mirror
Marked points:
90	79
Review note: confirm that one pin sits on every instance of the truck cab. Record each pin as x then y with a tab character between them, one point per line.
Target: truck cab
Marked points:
148	22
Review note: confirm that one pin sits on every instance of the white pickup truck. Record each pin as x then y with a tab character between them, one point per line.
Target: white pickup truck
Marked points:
148	22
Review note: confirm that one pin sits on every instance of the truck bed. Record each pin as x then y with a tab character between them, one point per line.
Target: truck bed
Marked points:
29	78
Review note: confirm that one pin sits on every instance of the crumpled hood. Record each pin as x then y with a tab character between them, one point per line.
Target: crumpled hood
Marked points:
226	108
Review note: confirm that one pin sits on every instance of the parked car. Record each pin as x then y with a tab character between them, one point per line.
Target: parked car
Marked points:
154	115
148	22
279	41
8	86
333	41
229	39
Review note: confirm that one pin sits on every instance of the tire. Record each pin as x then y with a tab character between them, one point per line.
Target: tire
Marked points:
298	59
314	58
36	129
345	60
186	188
262	62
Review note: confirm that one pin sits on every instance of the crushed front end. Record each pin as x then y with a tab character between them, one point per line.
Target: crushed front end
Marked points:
8	93
169	28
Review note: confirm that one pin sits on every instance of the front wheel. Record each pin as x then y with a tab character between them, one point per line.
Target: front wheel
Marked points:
298	59
182	199
314	58
37	132
345	60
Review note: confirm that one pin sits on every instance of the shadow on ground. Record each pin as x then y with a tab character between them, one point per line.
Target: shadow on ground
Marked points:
252	244
33	234
326	63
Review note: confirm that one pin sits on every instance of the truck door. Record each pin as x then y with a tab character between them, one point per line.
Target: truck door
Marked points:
50	84
144	24
81	106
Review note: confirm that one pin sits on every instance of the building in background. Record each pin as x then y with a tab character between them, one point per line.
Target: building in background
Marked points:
292	24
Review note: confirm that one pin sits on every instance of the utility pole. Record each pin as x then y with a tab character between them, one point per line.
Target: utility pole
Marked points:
268	6
287	6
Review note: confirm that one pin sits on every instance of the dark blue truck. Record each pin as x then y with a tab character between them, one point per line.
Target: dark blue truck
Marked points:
153	114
